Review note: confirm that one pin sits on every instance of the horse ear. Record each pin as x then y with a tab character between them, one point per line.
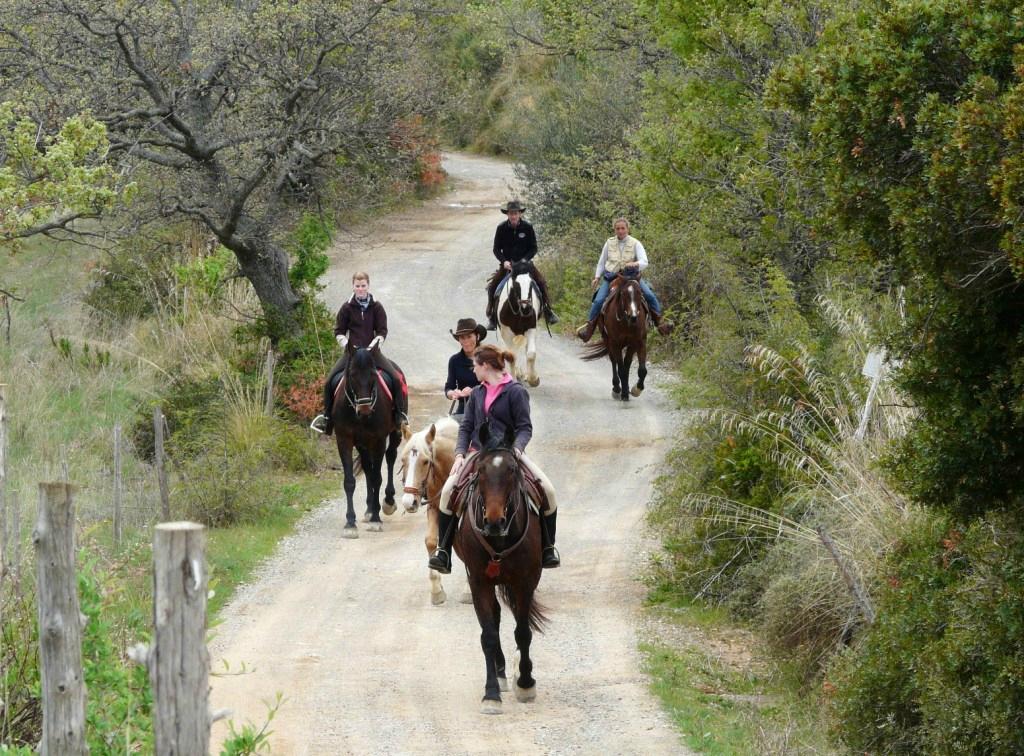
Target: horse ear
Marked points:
510	436
485	432
431	433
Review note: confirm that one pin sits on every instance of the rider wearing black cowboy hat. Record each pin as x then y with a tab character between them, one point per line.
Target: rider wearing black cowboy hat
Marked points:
461	378
514	241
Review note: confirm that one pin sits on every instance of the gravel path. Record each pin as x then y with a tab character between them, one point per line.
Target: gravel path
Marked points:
345	629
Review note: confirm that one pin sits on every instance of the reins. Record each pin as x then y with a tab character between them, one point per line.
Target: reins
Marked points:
518	501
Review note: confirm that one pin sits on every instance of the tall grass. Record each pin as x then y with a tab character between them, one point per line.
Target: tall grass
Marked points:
820	546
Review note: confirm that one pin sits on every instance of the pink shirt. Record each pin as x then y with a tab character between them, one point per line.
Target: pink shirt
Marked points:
493	390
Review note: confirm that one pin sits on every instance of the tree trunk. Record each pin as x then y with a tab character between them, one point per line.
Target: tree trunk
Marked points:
265	264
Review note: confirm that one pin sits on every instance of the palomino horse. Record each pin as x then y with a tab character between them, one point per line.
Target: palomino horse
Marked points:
427	458
623	323
518	310
499	541
364	419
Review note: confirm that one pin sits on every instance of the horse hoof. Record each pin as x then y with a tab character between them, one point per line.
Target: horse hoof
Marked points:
438	598
535	382
350	531
503	684
487	706
410	508
466	598
388	508
367	515
374	527
615	393
526	695
636	391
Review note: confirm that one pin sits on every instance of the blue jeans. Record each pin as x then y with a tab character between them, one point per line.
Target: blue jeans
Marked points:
602	294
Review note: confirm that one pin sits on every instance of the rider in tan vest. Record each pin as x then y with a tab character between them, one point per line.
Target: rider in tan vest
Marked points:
621	254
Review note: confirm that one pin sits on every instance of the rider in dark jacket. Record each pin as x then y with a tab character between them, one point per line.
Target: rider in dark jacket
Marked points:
515	241
503	402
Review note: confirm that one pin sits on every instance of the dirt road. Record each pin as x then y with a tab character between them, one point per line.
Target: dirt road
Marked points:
345	629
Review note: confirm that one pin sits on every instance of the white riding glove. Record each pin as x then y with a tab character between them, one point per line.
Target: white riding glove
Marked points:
377	340
342	340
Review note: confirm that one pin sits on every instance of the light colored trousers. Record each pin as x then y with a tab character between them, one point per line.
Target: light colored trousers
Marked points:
549	490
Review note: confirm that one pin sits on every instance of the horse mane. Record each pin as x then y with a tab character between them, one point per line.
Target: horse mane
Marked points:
361	359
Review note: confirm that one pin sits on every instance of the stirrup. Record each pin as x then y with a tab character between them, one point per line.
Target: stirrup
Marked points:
550	317
441	561
319	424
549	558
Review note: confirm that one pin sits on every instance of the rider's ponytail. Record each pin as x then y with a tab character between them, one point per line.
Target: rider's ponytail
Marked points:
490	355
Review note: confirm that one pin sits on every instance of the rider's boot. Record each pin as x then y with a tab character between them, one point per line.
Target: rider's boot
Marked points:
441	561
549	554
492	323
549	314
664	327
586	330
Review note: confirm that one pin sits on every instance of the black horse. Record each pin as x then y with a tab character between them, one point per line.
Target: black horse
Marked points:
499	541
364	419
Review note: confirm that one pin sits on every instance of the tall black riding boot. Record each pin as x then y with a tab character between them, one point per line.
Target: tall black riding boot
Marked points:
549	554
441	561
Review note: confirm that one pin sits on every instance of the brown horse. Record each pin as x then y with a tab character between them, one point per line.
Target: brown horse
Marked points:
427	457
623	324
499	541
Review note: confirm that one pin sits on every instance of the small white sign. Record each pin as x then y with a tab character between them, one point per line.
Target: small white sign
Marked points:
874	364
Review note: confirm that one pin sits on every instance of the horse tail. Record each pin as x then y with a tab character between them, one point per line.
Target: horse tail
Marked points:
357	463
537	613
595	351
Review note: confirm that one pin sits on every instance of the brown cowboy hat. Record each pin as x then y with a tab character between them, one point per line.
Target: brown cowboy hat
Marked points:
468	325
513	205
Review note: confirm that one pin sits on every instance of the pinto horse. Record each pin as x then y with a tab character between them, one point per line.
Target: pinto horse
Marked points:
364	420
518	312
623	323
427	458
499	541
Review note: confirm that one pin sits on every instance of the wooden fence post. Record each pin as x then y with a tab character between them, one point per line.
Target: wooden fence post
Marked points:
14	540
178	661
117	485
271	360
60	624
161	472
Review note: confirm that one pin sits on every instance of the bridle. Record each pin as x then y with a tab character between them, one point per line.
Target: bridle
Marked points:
513	505
432	471
634	286
356	401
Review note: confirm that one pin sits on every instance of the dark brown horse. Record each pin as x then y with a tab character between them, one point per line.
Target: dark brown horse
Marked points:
623	324
499	541
364	420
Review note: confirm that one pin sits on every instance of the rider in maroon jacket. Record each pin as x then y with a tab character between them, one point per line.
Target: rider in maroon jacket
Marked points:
362	321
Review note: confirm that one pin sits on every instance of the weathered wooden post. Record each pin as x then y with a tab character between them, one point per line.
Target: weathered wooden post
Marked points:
117	485
161	472
178	661
271	360
60	624
14	540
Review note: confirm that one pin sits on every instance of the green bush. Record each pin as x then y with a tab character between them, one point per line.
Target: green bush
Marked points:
942	668
133	278
188	405
221	487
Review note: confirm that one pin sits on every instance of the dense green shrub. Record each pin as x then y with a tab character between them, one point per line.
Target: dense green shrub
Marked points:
942	668
188	405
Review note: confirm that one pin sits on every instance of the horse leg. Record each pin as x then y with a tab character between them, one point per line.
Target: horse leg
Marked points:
499	655
525	685
615	374
486	604
373	481
437	594
394	441
627	362
531	358
345	451
641	368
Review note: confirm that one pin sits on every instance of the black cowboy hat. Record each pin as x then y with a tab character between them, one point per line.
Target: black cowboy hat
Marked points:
468	325
513	205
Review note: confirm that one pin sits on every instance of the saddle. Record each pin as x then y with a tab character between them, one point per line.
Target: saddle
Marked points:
464	491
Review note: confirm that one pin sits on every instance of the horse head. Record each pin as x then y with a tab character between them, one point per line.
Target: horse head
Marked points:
361	389
523	290
498	479
630	302
426	459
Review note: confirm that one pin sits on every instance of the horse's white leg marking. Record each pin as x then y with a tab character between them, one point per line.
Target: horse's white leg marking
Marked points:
437	594
531	357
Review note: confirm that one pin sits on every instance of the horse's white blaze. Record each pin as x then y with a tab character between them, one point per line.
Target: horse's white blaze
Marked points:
408	499
633	310
497	462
